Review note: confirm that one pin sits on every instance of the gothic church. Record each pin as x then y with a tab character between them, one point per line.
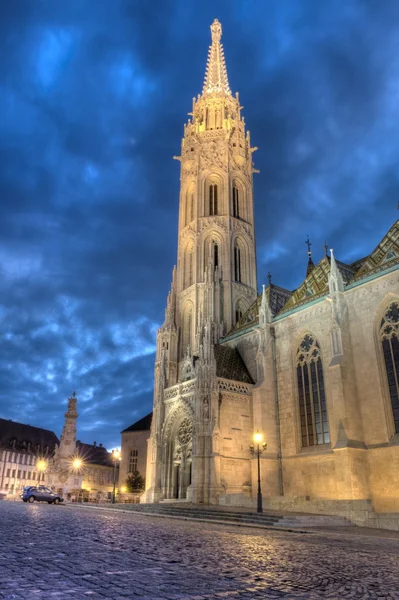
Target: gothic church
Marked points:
315	370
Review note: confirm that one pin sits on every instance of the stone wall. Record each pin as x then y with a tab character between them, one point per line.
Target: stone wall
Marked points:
361	461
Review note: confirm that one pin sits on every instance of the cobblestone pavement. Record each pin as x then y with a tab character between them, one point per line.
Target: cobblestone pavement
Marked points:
60	552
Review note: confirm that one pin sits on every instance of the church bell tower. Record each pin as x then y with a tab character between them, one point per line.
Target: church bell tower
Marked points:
213	284
215	278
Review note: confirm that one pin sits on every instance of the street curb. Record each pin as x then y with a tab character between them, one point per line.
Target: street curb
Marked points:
216	521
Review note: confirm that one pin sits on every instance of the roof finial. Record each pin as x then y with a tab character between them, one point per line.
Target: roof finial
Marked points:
310	261
269	277
216	72
325	248
216	30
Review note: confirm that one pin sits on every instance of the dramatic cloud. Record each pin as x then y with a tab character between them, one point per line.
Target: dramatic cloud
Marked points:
93	101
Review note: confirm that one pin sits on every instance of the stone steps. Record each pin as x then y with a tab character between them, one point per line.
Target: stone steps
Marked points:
186	511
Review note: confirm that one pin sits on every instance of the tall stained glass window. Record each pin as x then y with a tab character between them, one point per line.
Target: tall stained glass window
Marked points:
389	335
312	398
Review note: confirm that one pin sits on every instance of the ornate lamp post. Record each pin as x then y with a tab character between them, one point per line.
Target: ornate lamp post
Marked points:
116	457
256	449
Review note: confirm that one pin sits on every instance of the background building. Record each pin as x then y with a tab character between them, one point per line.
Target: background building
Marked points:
21	447
97	471
134	449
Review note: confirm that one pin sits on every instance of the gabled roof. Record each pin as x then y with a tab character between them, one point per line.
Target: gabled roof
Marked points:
143	425
386	254
230	365
316	283
383	256
26	437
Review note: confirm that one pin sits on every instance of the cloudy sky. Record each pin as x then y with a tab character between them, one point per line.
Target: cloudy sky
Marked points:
93	97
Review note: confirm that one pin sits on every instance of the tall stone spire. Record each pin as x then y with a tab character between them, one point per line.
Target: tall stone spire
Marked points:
68	436
216	73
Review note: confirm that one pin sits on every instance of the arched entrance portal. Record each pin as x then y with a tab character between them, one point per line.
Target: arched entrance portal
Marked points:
178	464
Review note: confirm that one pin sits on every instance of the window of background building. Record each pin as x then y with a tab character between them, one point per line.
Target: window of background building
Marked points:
133	459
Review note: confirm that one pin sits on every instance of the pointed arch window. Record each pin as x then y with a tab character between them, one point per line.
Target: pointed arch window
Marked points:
215	255
311	393
237	262
236	202
389	336
213	199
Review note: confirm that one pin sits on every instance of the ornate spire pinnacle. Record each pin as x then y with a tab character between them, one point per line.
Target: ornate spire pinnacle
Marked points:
335	280
310	261
216	73
265	314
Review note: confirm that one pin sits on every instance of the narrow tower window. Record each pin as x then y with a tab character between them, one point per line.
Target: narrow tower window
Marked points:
311	393
215	255
192	207
237	263
389	335
188	268
213	199
236	205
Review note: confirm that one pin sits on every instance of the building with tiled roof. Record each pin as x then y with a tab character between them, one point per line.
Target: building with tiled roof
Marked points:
21	447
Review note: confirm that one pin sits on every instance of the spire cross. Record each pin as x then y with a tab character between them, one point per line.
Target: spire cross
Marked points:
269	277
325	248
308	243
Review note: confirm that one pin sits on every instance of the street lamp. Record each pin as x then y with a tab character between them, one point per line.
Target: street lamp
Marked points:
116	457
77	464
256	450
41	466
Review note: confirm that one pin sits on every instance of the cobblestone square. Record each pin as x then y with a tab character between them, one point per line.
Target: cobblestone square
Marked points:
61	552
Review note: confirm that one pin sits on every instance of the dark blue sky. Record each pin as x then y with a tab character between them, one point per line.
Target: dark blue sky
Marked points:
93	97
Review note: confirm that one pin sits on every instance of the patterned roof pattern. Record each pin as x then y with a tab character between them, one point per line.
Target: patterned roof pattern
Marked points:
315	285
230	365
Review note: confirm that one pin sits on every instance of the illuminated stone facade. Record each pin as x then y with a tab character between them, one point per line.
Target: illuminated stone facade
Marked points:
307	368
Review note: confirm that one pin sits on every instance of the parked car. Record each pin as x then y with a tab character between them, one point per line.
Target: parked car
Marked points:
40	493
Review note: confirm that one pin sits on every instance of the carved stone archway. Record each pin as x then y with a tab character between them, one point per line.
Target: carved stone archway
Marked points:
177	445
